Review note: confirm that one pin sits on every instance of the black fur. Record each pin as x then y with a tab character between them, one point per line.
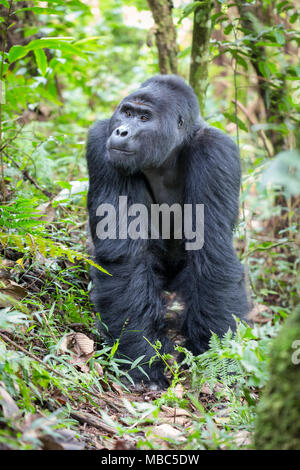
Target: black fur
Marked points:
210	280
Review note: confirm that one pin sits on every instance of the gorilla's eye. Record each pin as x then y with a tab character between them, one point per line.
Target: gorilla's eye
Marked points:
180	122
144	118
128	113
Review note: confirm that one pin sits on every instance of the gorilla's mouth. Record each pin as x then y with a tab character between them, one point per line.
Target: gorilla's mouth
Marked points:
119	150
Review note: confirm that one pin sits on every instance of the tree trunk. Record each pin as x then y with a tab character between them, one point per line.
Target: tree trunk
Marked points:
165	35
200	51
278	419
272	94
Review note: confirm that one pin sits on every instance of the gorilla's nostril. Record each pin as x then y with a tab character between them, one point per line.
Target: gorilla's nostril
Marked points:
121	131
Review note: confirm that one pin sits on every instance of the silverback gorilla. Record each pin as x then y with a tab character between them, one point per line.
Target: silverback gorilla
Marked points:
156	150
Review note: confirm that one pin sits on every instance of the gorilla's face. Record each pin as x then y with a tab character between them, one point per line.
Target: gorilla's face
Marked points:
144	131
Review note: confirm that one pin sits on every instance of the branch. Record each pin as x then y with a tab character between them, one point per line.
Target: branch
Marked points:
30	178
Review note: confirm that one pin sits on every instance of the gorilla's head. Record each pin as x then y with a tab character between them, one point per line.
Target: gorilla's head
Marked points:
152	123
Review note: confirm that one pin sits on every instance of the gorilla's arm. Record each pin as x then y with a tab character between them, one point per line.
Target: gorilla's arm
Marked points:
214	171
213	281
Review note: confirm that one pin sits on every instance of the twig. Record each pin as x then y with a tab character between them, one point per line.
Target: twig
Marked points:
11	139
258	77
30	178
92	421
272	239
252	122
266	248
77	226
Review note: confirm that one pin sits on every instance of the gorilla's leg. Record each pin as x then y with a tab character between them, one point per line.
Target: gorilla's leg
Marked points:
131	309
210	306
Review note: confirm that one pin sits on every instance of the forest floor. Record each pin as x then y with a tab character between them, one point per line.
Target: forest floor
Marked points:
108	415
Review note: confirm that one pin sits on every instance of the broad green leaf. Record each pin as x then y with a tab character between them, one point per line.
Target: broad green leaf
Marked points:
241	61
4	3
268	44
218	17
41	60
114	349
228	28
283	6
189	9
85	40
55	43
280	37
294	18
263	68
41	11
17	52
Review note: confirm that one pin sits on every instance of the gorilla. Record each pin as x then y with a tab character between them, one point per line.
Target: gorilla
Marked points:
156	151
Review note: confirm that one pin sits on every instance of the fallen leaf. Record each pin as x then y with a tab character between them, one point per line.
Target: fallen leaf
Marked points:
169	411
99	369
242	438
179	391
64	440
11	289
116	387
9	407
78	343
206	389
5	268
124	443
167	431
47	211
180	420
81	348
256	314
174	415
86	345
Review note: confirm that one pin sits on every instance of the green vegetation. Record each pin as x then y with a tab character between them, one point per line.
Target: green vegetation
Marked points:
278	423
64	64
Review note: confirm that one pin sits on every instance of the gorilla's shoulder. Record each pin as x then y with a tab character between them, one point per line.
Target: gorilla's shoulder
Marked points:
212	137
96	142
215	143
98	129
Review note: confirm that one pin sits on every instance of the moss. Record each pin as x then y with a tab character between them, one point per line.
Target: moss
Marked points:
278	420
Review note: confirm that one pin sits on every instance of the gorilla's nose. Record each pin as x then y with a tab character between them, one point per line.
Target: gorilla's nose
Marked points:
121	132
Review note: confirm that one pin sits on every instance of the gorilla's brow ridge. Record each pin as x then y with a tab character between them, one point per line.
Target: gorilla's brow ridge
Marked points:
143	107
143	98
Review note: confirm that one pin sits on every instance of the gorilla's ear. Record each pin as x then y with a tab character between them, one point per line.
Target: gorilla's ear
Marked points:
180	122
